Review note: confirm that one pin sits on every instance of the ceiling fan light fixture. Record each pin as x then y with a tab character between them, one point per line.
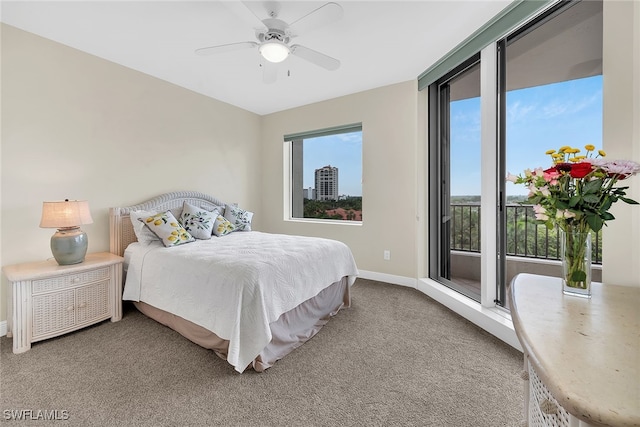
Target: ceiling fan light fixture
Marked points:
274	51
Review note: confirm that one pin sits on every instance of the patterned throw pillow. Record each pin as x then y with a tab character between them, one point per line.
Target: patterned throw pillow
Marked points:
222	227
143	234
168	229
198	221
240	218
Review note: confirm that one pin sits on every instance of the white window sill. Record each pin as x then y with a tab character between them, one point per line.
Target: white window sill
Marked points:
325	221
495	320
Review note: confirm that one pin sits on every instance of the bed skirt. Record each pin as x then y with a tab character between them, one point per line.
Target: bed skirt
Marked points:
291	330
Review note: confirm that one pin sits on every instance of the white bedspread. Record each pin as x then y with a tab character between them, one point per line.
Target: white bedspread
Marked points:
238	284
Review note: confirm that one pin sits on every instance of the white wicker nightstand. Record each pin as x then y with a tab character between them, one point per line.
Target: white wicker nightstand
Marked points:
46	299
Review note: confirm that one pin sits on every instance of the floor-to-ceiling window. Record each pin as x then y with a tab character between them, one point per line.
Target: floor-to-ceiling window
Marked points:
548	80
455	168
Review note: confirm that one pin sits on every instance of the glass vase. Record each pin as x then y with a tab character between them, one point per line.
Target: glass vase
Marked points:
575	254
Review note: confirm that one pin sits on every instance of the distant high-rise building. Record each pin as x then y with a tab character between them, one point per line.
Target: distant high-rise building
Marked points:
327	183
309	193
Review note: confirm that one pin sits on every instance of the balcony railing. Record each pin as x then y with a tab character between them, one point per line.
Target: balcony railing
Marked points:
525	238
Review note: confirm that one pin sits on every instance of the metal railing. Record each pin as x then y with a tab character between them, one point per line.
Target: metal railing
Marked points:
525	238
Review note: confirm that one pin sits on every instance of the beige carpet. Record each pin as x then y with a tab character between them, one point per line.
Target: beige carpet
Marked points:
395	358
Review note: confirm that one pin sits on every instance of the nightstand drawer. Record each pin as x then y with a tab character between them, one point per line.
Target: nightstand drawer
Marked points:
61	282
53	312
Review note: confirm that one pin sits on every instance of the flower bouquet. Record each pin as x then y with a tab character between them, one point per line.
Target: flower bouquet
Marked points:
576	193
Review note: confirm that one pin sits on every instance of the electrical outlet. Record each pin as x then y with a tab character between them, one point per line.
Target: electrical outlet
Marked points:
387	255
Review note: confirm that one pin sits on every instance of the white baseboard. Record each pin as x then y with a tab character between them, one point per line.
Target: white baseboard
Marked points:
388	278
493	320
3	328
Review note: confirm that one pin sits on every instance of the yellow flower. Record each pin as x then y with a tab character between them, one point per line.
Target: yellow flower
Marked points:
171	238
150	219
174	224
175	233
589	147
157	222
574	159
550	152
564	148
602	153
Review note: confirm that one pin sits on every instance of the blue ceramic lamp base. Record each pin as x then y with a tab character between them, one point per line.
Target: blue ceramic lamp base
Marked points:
69	245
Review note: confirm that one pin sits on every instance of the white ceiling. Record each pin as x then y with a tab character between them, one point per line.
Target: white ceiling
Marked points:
378	43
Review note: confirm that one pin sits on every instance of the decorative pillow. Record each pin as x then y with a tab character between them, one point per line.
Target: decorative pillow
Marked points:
198	221
240	218
143	234
222	227
168	229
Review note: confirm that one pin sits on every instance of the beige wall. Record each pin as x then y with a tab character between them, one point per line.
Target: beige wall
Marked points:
79	127
621	135
389	126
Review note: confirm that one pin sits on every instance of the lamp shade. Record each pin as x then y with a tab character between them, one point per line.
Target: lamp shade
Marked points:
274	51
65	214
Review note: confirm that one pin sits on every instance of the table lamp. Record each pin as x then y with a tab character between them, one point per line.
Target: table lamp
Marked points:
69	243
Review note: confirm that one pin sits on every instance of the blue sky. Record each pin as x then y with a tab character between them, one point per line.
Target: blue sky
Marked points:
538	119
343	151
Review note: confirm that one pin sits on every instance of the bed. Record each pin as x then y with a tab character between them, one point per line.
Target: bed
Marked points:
249	296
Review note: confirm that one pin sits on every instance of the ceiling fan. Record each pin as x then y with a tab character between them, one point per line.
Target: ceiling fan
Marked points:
274	35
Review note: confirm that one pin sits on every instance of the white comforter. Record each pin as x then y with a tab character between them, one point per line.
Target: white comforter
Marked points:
238	284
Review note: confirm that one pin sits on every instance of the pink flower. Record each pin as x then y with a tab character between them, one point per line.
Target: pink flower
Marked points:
541	212
544	191
564	214
512	178
538	172
551	176
621	169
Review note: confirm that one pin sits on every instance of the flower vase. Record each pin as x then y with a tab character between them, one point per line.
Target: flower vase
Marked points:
575	254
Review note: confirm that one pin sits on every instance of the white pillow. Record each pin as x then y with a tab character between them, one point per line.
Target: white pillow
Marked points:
240	218
167	228
143	234
198	221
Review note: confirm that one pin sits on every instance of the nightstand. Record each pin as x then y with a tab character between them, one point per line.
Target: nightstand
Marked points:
46	299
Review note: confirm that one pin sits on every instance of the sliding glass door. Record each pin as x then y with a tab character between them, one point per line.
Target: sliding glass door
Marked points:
545	84
455	175
553	98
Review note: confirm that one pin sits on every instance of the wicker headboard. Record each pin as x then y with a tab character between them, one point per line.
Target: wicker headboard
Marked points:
120	227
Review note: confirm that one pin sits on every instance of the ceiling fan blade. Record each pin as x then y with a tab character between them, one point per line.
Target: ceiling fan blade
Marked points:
320	59
225	48
323	15
242	11
269	72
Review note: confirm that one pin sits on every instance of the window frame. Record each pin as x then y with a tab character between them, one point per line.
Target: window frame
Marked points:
293	176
